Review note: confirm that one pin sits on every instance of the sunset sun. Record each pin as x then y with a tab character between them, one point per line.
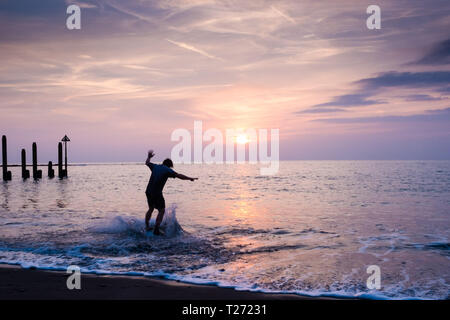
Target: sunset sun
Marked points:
242	139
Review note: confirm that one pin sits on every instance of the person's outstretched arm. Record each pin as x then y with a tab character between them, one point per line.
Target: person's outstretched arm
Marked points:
183	177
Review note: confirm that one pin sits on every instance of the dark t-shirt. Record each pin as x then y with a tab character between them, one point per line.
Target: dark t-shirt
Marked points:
158	179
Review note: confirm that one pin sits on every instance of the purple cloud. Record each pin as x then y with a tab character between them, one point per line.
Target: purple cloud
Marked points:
439	54
350	100
321	110
440	115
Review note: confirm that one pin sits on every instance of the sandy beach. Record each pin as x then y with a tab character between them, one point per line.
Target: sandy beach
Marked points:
19	283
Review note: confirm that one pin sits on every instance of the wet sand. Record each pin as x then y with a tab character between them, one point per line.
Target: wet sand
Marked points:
19	283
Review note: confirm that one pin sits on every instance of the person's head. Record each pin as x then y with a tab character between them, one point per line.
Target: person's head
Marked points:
168	163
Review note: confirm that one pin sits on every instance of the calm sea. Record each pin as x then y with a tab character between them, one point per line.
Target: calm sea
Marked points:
314	228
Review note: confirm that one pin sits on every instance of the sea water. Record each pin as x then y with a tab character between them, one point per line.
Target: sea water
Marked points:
314	228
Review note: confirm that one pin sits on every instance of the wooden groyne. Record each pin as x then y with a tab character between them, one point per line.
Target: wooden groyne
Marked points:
6	174
37	174
25	172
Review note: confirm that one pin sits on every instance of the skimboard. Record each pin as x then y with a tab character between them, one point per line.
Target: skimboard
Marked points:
149	232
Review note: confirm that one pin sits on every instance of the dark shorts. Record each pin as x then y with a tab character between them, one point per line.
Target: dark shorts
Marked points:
156	201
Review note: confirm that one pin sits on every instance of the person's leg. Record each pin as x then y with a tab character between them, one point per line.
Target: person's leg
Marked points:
159	219
148	216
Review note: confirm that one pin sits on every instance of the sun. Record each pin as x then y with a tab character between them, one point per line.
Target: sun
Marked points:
242	139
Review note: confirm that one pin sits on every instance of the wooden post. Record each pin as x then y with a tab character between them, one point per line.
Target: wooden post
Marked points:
65	139
4	158
65	158
51	171
6	174
37	174
25	172
60	161
34	160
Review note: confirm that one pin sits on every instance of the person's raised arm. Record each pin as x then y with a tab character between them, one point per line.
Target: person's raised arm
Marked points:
149	156
183	177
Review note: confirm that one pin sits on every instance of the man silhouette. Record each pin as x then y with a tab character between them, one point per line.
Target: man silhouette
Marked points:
158	178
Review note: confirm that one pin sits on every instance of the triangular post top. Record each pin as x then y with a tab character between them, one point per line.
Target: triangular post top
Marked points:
65	139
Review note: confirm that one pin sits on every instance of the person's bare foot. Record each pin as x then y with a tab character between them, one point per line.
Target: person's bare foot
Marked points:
156	232
148	228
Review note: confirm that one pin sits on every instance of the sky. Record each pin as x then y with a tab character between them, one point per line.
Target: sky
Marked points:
137	70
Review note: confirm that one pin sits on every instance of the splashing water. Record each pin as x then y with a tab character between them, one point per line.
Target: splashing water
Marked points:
130	225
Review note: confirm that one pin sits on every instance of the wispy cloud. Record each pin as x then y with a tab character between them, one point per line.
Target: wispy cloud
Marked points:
82	5
284	15
192	48
130	12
